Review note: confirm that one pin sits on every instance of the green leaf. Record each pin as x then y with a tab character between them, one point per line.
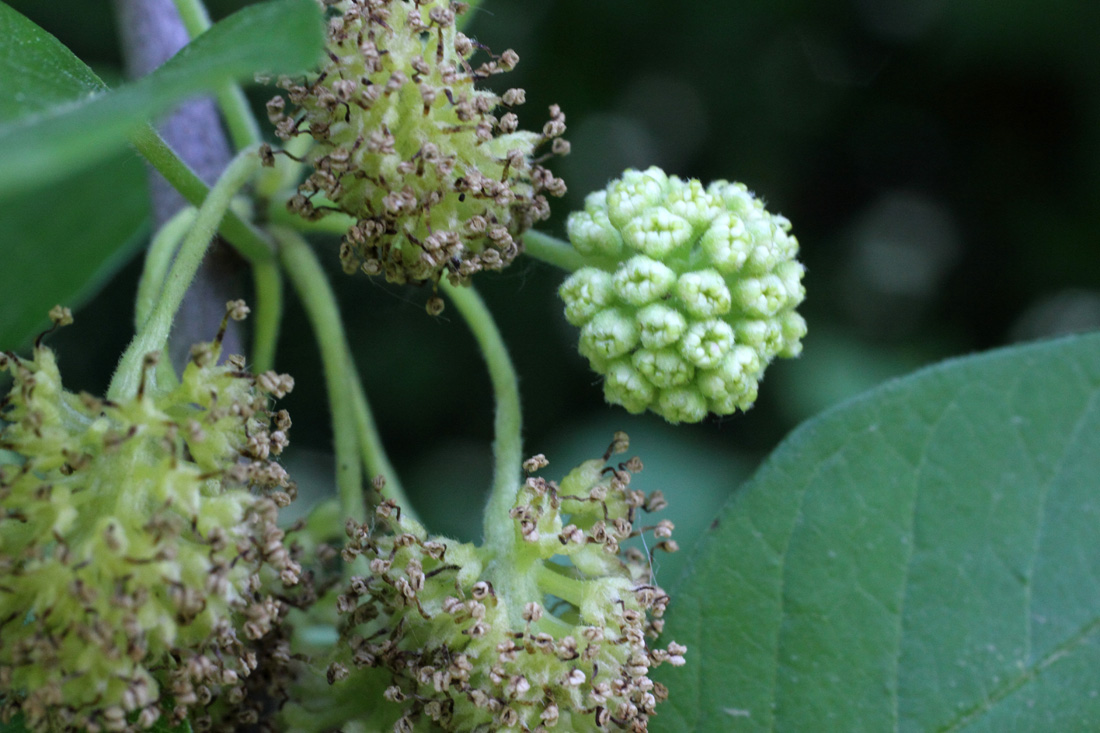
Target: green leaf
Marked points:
15	726
923	558
62	246
59	245
36	71
283	36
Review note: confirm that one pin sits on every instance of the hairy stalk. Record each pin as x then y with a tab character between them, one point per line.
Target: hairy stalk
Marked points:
552	250
353	425
239	120
158	259
317	298
153	335
499	529
268	313
249	242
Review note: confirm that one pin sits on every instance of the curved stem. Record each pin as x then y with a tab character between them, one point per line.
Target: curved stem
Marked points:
500	534
243	237
241	123
153	334
158	258
352	422
552	250
316	294
268	282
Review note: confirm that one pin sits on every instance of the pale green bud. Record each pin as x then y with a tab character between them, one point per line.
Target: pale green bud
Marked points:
586	292
727	243
661	325
663	368
681	404
704	293
657	232
760	297
624	385
642	280
706	343
611	333
592	231
635	192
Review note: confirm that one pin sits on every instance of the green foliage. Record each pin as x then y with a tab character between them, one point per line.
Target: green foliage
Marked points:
280	37
923	558
52	254
920	559
15	726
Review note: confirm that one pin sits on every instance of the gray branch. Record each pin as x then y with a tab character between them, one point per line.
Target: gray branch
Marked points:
151	32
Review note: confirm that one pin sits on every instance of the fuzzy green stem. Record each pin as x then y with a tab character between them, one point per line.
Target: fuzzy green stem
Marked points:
153	335
555	583
316	294
158	258
268	283
243	237
310	282
499	529
242	125
552	250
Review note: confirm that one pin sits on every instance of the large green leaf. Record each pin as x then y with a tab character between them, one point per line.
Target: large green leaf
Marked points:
62	246
923	558
283	36
59	245
36	71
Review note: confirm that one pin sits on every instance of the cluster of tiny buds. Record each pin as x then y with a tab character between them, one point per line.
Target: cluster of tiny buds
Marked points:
462	652
687	293
144	529
440	182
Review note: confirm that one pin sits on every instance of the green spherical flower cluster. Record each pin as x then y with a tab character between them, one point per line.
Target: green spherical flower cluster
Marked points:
435	170
688	293
136	540
552	637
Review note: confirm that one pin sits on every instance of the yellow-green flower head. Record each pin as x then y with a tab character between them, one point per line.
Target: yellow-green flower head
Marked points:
436	171
136	540
687	295
553	637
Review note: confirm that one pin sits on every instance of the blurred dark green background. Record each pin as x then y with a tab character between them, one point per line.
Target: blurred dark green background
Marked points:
940	162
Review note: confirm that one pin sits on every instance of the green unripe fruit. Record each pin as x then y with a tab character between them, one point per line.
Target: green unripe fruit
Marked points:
687	295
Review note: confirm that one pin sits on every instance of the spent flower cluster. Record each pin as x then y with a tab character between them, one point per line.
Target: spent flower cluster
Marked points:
139	552
568	648
687	295
437	173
